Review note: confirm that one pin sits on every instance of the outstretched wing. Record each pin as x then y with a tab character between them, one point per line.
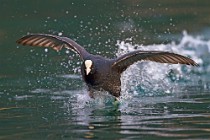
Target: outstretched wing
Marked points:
54	42
123	62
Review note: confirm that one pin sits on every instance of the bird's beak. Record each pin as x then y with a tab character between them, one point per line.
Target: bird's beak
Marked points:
87	71
88	65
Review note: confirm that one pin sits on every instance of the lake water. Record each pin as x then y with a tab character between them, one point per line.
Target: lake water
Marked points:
42	95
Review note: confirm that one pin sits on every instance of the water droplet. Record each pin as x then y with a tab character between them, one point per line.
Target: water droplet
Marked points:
46	49
67	51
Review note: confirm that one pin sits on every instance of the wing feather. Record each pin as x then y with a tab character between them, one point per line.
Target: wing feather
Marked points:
123	62
54	42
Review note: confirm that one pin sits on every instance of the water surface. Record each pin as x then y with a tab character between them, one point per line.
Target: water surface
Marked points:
42	95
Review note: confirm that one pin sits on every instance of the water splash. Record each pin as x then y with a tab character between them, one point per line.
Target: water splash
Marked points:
101	99
149	78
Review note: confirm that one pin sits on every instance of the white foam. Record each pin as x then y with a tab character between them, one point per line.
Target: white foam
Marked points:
154	78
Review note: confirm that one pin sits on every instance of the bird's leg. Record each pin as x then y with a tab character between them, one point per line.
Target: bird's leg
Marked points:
90	92
116	102
117	99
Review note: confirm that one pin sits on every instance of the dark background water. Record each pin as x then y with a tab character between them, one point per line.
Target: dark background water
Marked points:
42	95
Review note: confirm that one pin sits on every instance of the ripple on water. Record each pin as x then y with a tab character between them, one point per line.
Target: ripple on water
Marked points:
155	104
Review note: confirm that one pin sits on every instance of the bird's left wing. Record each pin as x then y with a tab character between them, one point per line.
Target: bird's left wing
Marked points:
54	42
123	62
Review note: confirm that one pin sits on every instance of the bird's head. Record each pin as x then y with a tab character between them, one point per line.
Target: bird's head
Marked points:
88	66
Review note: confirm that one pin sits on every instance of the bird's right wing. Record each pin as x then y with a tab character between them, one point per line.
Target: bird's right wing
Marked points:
54	42
123	62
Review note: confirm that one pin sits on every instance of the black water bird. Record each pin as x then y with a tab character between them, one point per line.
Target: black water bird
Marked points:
98	72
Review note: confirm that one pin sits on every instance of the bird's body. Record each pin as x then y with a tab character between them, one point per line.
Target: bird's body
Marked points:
108	79
98	72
